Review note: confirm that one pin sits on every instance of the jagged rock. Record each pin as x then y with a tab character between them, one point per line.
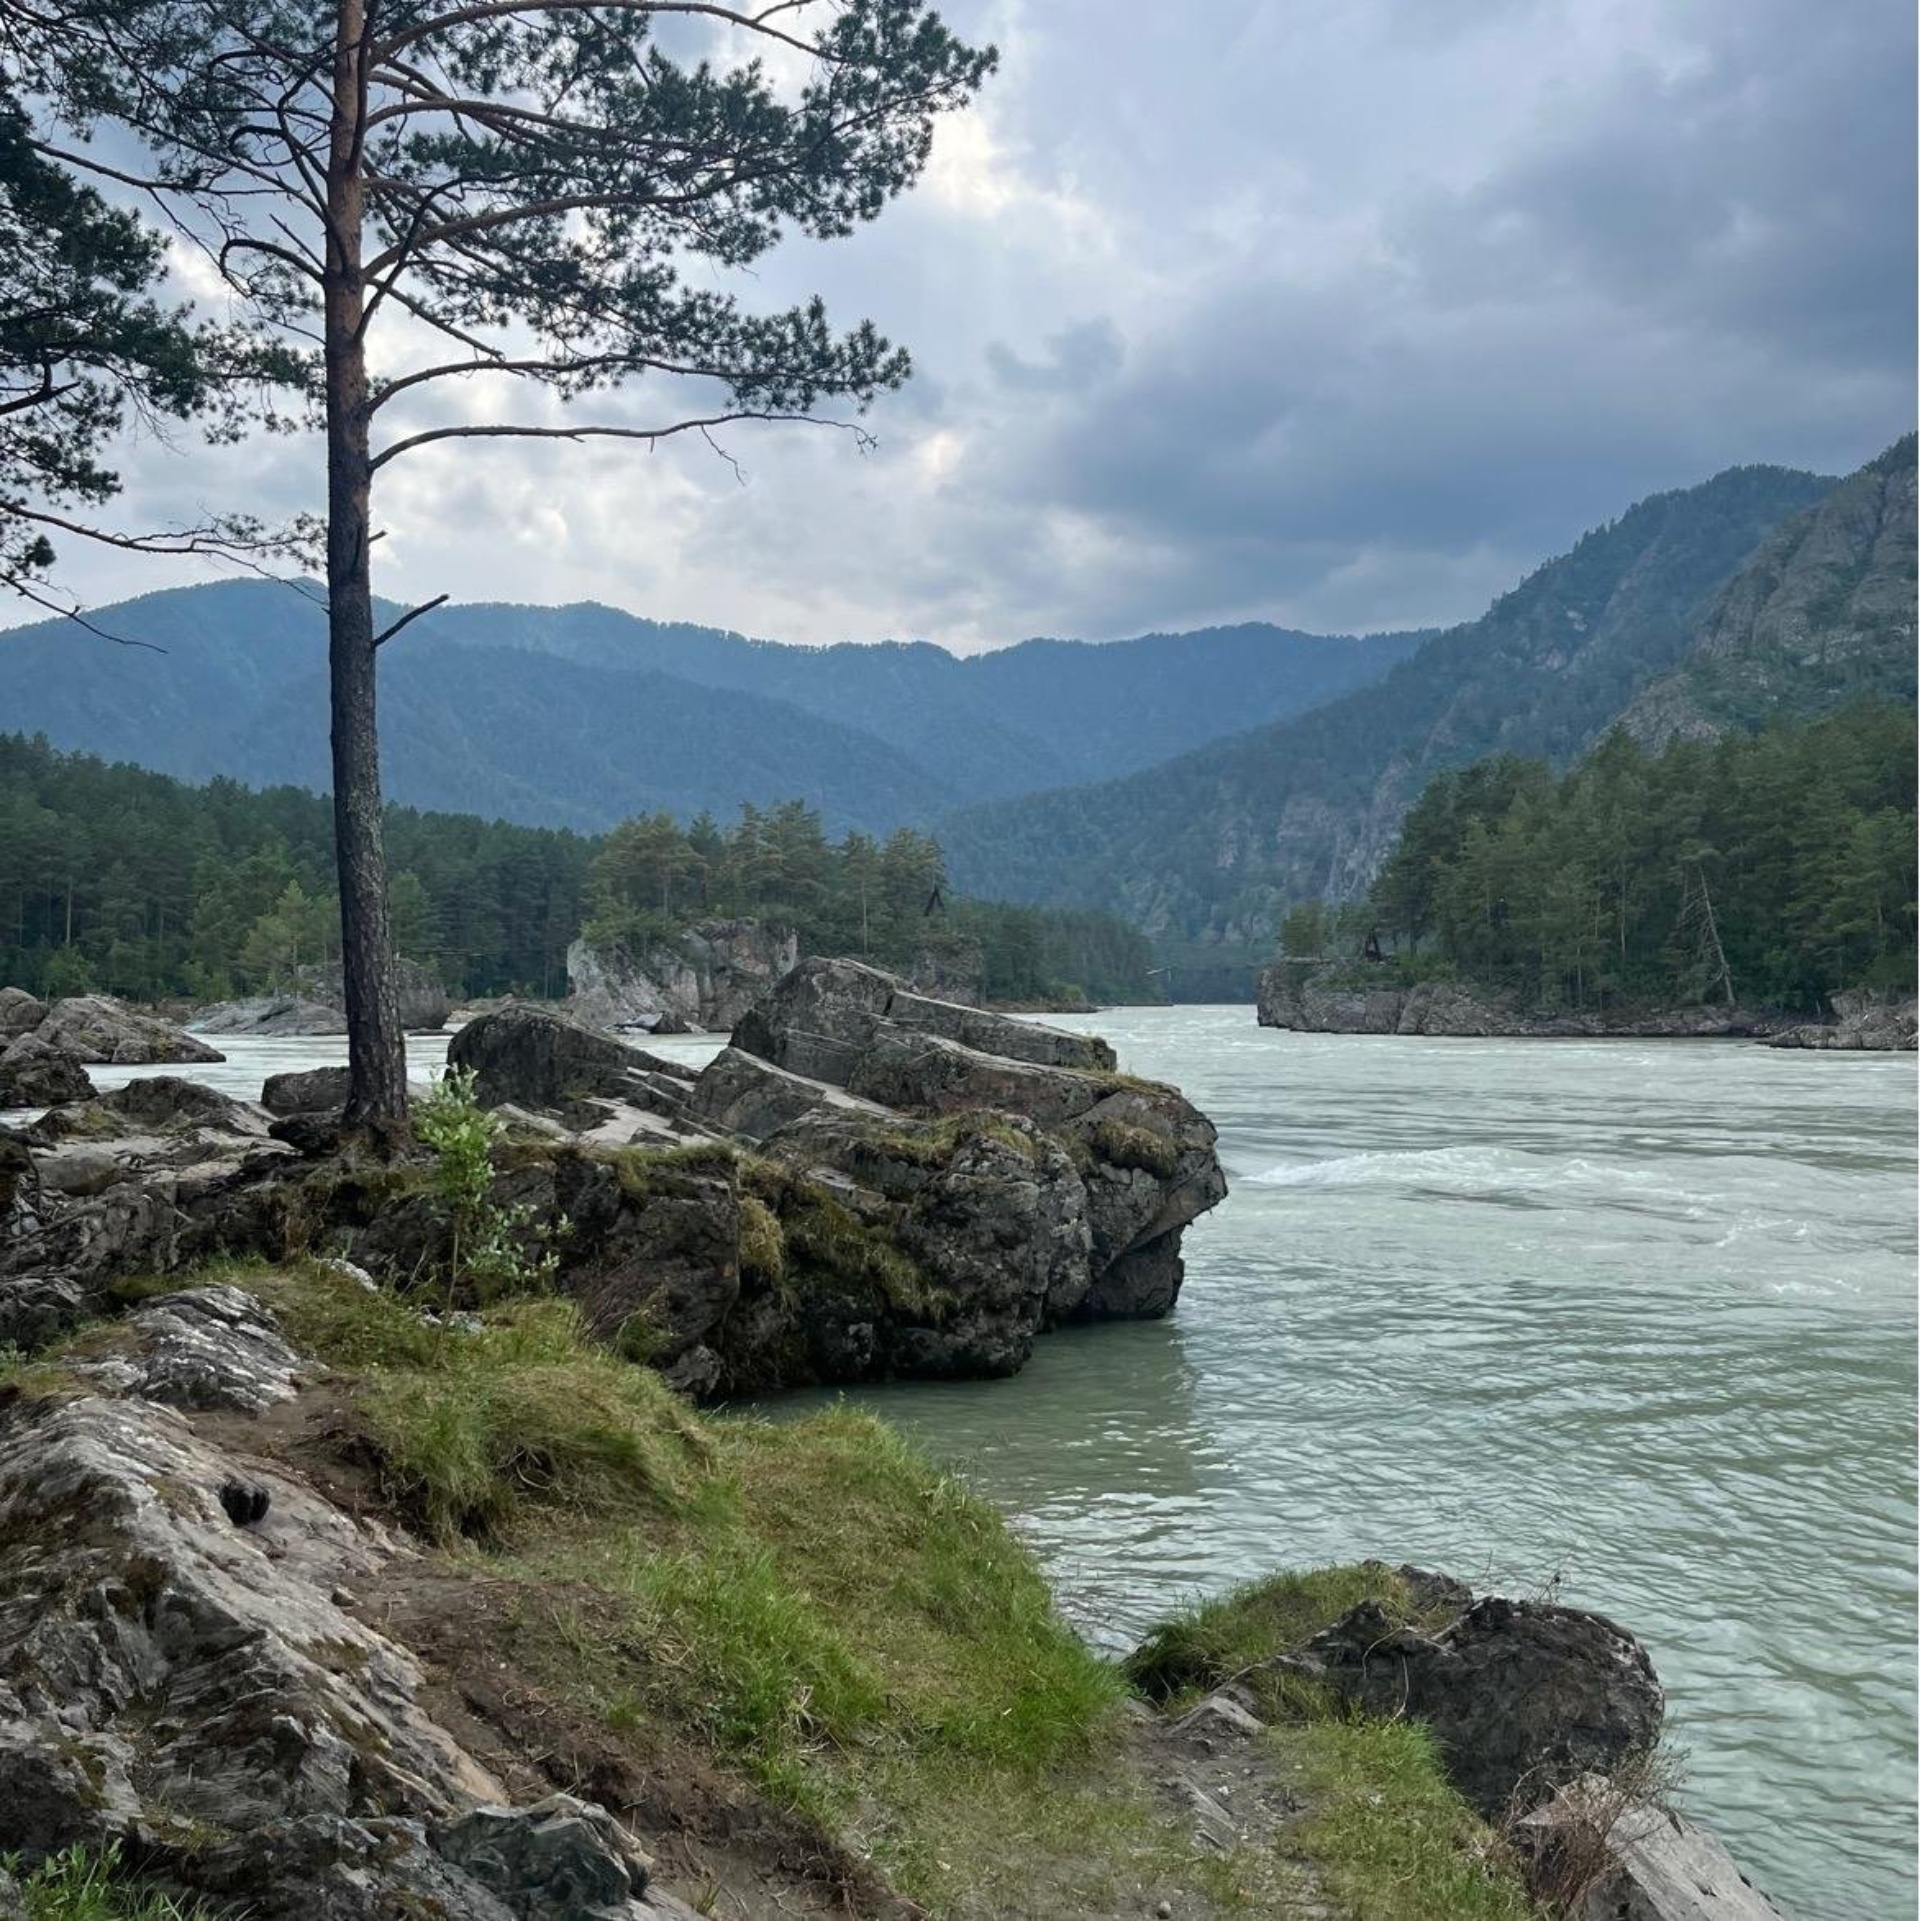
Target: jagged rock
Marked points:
559	1860
739	1093
13	1906
37	1309
125	1583
94	1028
20	1013
207	1347
1604	1858
269	1017
990	1213
535	1057
35	1073
704	979
1522	1697
822	1017
80	1171
312	1090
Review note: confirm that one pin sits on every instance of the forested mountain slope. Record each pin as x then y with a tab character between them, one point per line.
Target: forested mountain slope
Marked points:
578	716
1211	845
1822	614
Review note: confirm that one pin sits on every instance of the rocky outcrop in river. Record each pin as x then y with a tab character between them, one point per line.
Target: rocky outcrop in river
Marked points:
1334	997
868	1183
316	1004
703	980
1862	1023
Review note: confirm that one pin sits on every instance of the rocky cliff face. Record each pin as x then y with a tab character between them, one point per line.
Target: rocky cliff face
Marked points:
703	981
1824	612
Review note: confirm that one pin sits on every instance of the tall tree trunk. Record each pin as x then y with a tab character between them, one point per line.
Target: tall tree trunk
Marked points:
376	1046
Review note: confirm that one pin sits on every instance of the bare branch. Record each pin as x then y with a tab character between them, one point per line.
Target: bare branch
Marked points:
648	434
426	607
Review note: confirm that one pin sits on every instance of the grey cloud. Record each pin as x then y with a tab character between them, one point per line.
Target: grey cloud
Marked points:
1341	316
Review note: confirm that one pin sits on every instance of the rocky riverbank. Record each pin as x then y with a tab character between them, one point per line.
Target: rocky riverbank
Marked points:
354	1575
316	1603
1321	997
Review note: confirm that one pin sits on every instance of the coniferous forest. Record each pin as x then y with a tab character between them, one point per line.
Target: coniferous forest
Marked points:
128	882
1771	869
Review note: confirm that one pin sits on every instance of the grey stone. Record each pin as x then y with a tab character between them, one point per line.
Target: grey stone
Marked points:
704	979
268	1017
538	1058
20	1012
93	1027
35	1073
207	1347
37	1309
312	1090
558	1860
1522	1697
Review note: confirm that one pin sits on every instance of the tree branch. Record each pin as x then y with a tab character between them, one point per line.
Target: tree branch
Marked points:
426	607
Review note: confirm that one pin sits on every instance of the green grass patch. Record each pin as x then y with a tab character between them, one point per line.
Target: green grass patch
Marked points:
1388	1837
526	1414
648	1173
1120	1144
1230	1636
77	1886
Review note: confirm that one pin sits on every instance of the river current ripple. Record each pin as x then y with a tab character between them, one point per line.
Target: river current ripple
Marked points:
1633	1321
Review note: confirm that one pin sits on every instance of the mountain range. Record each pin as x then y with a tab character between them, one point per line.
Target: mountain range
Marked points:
1763	592
1194	783
583	716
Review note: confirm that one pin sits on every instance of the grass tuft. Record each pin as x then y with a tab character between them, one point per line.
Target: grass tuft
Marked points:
1227	1637
77	1886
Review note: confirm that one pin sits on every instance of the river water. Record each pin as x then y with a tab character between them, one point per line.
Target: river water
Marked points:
1632	1321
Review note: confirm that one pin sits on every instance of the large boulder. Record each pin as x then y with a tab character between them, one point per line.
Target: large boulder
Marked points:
310	1090
20	1013
421	999
540	1058
1145	1156
989	1215
824	1015
270	1017
35	1073
95	1028
1523	1697
703	979
739	1094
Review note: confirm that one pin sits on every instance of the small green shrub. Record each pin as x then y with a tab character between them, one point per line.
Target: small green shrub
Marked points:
490	1251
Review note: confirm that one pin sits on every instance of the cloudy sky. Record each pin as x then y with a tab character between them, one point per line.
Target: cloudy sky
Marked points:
1343	316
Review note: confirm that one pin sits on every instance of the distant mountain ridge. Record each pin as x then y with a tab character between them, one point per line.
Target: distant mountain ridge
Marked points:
1210	847
581	716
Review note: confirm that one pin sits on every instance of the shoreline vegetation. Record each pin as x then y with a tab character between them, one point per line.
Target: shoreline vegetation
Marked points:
1746	886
